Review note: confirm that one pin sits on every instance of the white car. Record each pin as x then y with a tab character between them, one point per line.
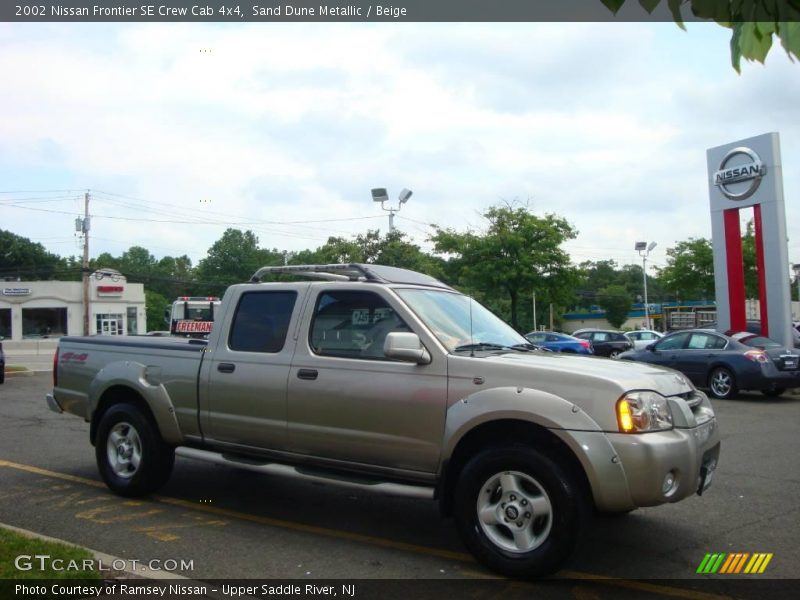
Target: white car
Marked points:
642	338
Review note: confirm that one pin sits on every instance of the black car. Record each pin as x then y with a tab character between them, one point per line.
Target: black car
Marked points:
605	342
725	364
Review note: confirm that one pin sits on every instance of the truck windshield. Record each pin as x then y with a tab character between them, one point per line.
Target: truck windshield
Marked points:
193	313
448	315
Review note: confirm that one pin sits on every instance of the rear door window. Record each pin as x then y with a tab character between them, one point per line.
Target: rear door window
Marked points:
261	321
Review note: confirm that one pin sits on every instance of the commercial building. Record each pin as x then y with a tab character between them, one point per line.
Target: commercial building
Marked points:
31	311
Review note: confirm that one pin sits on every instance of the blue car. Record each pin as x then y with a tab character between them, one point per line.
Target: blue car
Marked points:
559	342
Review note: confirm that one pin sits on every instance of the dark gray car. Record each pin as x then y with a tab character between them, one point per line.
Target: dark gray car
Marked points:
725	364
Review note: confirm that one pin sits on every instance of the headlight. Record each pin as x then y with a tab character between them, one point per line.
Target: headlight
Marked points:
643	411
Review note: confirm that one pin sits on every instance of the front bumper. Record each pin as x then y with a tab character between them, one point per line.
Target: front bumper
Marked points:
685	456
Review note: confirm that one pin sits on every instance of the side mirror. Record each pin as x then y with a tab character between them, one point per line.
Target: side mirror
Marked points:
401	345
651	347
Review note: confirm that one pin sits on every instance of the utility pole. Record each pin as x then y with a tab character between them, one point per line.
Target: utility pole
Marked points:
85	264
535	328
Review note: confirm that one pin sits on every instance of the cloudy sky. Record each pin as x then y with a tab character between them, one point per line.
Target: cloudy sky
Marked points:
182	130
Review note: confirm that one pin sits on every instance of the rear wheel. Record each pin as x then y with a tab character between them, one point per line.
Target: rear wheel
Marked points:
132	458
518	511
722	383
614	354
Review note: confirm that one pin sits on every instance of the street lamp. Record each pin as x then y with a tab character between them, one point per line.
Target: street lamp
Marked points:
643	248
381	195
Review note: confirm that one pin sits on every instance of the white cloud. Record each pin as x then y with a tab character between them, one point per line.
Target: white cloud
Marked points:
605	124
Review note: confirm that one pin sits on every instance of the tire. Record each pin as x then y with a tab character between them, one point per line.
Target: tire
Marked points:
722	383
132	458
502	484
773	392
614	354
3	375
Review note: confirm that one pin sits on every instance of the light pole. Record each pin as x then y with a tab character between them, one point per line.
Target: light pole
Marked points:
381	195
643	248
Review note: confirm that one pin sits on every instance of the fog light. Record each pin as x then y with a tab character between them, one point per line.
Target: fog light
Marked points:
669	484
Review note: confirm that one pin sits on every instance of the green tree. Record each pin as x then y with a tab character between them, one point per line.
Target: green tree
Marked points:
595	275
615	300
689	272
391	249
752	23
156	305
233	259
21	258
174	277
519	253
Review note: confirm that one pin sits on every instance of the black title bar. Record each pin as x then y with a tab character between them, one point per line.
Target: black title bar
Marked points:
389	11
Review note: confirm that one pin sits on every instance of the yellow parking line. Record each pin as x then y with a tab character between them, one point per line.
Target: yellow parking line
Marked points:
663	590
641	586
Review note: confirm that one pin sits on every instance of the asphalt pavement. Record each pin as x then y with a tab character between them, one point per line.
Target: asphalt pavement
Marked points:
226	523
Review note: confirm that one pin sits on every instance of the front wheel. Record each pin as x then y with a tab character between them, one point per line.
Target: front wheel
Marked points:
614	354
518	511
722	384
132	458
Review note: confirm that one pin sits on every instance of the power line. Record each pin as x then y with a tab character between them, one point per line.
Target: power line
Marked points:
183	222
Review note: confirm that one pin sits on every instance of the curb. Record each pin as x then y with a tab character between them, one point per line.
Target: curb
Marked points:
139	572
21	372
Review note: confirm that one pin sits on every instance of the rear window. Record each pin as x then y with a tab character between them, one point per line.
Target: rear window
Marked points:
758	341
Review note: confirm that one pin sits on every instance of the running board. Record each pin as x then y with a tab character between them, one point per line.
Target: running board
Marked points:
307	474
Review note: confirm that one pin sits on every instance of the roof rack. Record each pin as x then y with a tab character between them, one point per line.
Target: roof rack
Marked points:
346	272
353	272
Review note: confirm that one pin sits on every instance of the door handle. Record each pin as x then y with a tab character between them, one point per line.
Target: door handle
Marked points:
226	367
308	374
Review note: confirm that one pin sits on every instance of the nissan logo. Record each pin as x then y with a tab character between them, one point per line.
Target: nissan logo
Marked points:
751	171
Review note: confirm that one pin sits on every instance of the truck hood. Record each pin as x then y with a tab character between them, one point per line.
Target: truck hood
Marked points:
592	383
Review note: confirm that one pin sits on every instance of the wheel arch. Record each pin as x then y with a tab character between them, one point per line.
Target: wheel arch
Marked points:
720	364
130	381
510	432
121	394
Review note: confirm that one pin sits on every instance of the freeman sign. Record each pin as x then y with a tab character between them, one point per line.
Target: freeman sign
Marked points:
751	171
194	326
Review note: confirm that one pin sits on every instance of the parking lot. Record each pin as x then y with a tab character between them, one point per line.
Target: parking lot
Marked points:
234	524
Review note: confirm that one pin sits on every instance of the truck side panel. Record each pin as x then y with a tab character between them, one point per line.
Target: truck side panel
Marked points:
163	372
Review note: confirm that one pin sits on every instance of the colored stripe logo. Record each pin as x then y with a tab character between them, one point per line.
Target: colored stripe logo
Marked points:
734	563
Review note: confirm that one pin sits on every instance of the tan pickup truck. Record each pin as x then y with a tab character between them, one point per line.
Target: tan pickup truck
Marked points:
389	380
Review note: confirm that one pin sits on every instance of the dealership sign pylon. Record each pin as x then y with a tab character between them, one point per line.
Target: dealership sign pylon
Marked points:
748	174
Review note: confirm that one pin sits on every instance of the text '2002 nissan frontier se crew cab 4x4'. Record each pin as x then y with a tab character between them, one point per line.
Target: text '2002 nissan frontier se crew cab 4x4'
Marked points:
389	380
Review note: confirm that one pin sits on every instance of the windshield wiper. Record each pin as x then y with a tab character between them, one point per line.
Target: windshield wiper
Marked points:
524	347
480	346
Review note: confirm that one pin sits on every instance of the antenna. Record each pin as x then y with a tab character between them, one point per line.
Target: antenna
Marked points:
471	341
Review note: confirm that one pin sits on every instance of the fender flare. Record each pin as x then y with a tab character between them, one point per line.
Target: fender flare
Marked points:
143	380
564	419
